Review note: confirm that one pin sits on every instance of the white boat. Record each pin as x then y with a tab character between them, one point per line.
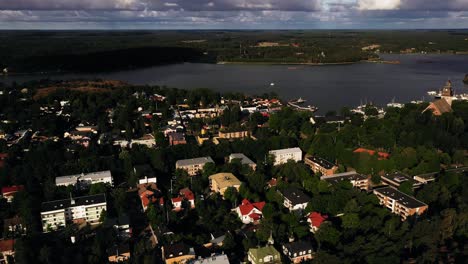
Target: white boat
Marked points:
432	93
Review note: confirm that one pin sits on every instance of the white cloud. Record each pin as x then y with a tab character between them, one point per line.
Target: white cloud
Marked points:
379	4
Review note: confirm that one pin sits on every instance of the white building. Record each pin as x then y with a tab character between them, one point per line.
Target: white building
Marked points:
283	155
56	214
84	180
193	166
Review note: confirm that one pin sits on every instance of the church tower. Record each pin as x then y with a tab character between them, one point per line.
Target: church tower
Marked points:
447	92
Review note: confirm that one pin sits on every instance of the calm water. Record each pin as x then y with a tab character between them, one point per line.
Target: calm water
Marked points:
328	87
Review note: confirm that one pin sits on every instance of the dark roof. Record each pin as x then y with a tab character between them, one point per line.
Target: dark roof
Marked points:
397	177
321	161
298	246
177	136
346	176
83	200
144	170
178	249
295	195
402	198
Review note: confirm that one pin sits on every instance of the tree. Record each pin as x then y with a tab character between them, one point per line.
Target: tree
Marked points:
231	195
327	235
350	221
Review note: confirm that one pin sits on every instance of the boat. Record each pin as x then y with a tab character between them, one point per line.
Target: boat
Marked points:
432	93
272	84
298	105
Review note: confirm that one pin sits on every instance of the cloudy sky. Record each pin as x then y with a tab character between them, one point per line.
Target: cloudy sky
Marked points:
232	14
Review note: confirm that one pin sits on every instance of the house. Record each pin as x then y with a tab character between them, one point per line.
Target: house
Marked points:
7	251
119	253
267	254
282	156
223	134
400	203
149	194
357	180
397	178
84	209
9	192
315	220
176	138
85	180
216	259
294	199
184	195
221	181
177	253
380	155
250	213
320	165
243	159
193	166
145	174
14	226
299	251
146	140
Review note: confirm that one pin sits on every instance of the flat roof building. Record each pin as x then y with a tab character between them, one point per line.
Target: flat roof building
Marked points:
320	165
193	166
399	202
282	156
221	181
84	180
243	159
357	180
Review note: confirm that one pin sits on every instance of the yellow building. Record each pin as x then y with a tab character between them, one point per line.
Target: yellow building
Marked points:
221	181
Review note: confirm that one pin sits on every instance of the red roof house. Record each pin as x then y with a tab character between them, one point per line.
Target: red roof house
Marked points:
315	219
382	155
184	194
8	192
250	212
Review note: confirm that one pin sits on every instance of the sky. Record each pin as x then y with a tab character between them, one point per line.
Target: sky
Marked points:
233	14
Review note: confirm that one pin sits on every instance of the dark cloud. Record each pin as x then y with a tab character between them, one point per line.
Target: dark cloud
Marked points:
161	5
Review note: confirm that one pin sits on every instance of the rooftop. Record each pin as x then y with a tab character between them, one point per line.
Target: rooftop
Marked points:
175	250
295	195
322	162
83	176
285	151
217	259
225	180
243	158
260	253
350	176
298	246
402	198
195	161
79	201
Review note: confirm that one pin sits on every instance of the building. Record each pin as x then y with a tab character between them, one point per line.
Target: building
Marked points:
442	104
184	195
84	209
193	166
221	181
357	180
299	251
233	135
267	254
396	179
146	140
380	155
149	194
7	251
243	159
315	220
294	199
177	253
320	165
250	213
84	180
216	259
121	226
282	156
177	138
400	203
145	174
119	253
14	227
9	192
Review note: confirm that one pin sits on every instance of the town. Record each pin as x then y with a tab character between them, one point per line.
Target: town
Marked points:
103	171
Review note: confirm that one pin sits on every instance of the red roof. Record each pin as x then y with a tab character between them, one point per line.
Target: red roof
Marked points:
12	189
187	193
7	245
382	155
177	199
272	182
246	207
255	216
147	197
317	219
